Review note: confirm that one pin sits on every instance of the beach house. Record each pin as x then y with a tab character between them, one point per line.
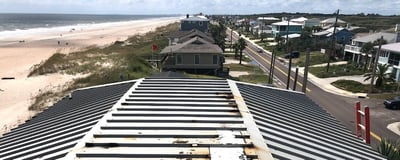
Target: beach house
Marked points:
353	51
390	54
196	55
342	35
281	28
198	22
182	36
328	23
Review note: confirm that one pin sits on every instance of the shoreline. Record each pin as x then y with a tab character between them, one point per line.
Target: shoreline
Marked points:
16	59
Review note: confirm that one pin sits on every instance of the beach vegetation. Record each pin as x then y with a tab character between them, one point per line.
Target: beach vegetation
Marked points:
119	61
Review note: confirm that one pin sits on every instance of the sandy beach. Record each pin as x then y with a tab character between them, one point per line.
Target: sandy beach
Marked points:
20	52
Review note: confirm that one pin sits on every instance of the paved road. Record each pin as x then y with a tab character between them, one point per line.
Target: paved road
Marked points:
342	108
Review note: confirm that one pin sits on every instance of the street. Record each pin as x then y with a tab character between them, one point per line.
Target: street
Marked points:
342	108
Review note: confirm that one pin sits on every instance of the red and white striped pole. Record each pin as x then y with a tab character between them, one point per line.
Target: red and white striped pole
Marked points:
367	127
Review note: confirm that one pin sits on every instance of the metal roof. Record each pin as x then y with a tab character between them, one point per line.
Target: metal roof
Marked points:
172	119
294	127
389	37
51	134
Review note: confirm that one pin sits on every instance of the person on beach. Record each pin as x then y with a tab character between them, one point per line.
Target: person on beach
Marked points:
58	42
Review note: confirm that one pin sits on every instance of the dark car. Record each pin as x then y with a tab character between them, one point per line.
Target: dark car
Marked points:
392	103
293	54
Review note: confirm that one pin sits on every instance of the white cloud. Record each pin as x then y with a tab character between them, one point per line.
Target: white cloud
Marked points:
195	6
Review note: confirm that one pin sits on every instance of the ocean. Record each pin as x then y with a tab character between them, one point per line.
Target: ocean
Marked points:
21	24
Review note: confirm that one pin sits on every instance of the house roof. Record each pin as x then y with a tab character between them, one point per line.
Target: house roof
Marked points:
294	127
195	33
285	23
194	45
52	133
195	18
268	18
171	118
392	47
294	35
332	20
389	37
328	32
300	19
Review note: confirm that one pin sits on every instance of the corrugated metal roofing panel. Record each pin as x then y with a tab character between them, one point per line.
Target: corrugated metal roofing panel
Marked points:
294	127
165	124
51	133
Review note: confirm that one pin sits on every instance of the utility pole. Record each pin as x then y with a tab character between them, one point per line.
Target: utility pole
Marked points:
375	65
290	52
295	78
333	41
270	76
305	76
231	39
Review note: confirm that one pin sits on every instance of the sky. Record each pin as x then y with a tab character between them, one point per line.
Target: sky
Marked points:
384	7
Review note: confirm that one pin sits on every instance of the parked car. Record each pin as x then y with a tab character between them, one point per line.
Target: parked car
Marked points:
259	50
392	103
293	54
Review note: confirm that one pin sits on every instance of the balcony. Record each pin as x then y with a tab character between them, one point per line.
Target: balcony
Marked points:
352	49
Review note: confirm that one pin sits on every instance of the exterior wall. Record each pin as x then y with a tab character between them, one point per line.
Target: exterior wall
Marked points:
188	62
392	58
187	25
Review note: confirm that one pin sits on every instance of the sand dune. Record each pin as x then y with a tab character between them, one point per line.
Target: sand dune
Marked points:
18	54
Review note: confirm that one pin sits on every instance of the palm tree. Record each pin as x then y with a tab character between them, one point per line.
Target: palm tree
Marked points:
241	46
367	48
382	76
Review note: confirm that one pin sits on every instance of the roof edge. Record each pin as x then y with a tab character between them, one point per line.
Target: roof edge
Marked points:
81	143
258	85
262	149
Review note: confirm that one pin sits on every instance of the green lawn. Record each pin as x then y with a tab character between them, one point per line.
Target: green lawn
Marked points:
336	71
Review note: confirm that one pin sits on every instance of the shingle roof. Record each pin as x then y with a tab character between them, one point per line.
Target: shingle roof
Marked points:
294	127
196	33
173	118
56	130
389	37
194	45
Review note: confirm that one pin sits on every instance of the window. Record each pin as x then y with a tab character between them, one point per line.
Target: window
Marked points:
196	59
200	23
178	59
215	59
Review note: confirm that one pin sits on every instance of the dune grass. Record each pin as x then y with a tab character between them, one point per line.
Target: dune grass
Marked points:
122	60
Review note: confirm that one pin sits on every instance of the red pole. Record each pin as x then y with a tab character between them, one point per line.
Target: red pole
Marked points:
358	119
367	127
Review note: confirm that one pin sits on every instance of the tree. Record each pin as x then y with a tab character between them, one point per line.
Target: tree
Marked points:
367	48
236	49
382	75
218	32
241	46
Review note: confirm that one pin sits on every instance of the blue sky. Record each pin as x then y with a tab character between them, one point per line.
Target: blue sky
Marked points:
385	7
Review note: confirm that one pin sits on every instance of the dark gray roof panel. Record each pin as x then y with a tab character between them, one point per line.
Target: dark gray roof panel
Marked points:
294	127
57	129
